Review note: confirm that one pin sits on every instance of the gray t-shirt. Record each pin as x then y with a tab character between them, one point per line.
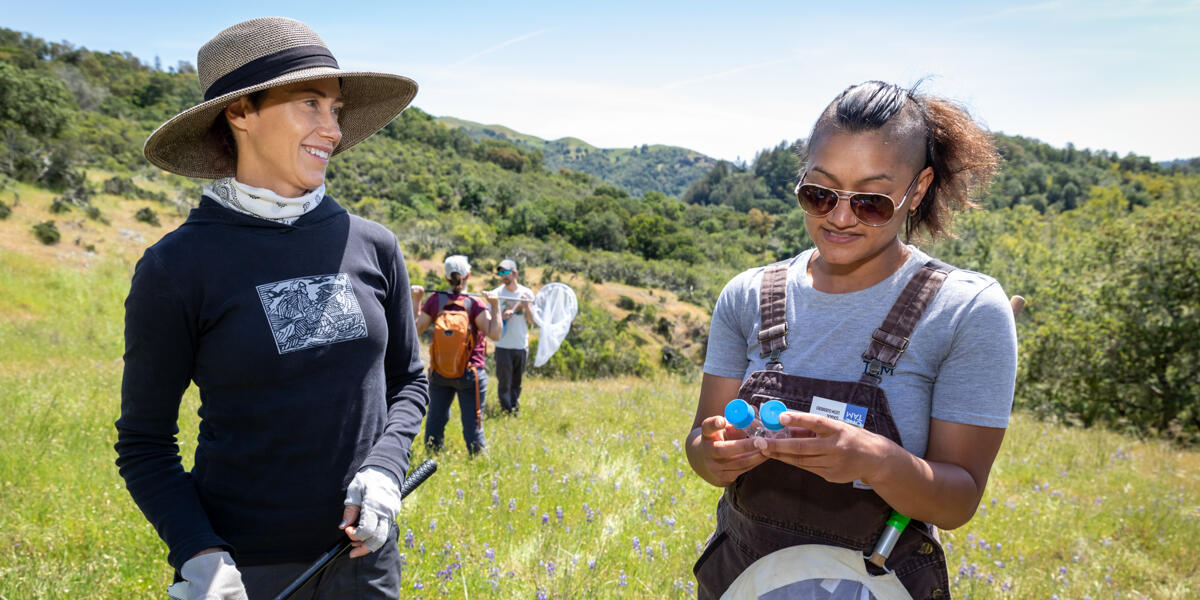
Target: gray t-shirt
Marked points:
516	332
961	362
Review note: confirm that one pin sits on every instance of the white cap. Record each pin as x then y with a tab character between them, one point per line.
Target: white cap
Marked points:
509	264
457	264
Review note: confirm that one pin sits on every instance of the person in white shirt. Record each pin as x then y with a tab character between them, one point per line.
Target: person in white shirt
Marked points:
512	351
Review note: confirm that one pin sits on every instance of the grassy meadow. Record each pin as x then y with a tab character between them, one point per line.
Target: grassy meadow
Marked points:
586	495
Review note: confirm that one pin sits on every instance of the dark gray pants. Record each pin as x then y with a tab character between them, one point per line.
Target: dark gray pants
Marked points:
374	576
510	365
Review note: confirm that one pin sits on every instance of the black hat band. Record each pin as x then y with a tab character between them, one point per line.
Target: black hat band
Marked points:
268	67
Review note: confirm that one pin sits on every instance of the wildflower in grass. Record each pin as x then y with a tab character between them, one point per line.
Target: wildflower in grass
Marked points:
458	492
417	585
541	594
637	544
433	524
558	513
534	488
1062	570
545	518
489	553
533	468
591	564
495	499
408	539
670	521
550	568
512	504
1007	585
422	548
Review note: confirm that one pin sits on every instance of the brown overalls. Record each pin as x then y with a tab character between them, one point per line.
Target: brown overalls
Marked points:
777	505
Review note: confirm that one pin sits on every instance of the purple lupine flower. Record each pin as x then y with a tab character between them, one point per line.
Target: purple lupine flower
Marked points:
418	585
591	564
534	488
637	544
408	539
541	594
422	548
621	579
458	492
512	504
558	512
545	518
489	553
433	524
550	568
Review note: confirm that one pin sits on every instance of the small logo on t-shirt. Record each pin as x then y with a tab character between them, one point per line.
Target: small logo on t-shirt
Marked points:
312	311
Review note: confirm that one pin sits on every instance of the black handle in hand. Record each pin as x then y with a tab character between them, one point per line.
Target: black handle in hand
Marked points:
410	483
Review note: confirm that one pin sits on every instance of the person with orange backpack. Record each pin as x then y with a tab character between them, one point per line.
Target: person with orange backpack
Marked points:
461	325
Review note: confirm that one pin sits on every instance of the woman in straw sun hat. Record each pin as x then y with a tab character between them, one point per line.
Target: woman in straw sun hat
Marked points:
293	319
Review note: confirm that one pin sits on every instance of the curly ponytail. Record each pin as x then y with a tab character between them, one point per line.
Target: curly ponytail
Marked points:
961	152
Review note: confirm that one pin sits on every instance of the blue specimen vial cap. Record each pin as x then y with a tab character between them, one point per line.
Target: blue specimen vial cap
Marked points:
769	412
739	413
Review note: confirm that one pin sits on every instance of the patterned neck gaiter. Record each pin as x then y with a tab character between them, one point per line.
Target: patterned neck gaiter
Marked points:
261	202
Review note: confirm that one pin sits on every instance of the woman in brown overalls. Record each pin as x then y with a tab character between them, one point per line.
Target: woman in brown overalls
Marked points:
912	424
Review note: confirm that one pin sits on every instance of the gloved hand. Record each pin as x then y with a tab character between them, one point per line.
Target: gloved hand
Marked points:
213	577
377	492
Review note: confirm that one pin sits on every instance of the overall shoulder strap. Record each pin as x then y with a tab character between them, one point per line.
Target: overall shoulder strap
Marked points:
772	310
890	340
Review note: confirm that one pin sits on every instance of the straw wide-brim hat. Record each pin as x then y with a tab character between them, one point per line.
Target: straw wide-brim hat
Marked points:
256	55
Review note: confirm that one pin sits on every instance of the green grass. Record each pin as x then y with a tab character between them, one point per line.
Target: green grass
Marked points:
1068	512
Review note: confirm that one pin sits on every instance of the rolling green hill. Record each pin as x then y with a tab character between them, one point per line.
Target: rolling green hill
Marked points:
647	168
1102	245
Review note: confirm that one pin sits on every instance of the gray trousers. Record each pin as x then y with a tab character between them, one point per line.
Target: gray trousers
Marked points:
374	576
510	366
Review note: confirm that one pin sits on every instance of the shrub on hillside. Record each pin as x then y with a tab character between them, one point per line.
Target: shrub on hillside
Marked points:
46	232
5	211
147	216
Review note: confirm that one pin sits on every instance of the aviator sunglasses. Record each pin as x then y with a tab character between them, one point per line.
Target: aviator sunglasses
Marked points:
503	272
871	209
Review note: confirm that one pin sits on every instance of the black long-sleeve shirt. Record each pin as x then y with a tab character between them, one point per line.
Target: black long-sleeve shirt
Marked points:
301	341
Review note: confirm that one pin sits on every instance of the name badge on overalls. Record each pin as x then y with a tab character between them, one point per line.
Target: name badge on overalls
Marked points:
846	413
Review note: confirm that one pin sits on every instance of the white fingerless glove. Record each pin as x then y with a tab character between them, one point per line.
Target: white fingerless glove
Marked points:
377	492
213	577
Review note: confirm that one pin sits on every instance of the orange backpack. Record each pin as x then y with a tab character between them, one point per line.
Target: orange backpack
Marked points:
453	336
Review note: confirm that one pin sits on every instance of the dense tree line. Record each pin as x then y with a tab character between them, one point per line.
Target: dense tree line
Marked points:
641	169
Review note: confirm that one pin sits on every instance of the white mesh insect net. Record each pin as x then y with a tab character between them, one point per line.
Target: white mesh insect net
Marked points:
554	309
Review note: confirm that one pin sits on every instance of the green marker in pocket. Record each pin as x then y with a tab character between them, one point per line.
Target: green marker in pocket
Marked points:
887	541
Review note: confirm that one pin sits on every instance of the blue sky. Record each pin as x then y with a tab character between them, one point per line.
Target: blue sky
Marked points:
727	79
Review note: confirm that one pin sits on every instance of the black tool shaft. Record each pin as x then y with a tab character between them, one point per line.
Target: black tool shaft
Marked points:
410	483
